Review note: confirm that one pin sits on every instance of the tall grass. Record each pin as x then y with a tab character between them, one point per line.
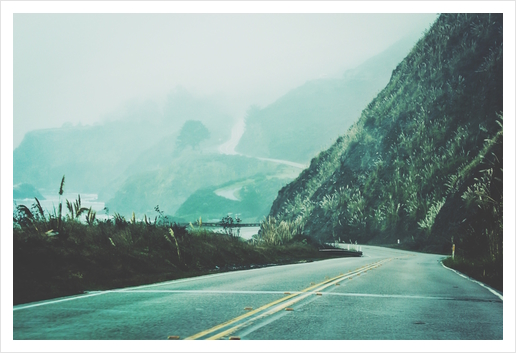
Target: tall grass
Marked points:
401	170
273	232
106	254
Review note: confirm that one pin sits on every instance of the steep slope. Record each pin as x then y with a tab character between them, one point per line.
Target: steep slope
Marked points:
424	161
310	117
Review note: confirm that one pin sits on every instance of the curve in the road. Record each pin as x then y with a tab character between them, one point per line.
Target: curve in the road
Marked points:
280	304
410	297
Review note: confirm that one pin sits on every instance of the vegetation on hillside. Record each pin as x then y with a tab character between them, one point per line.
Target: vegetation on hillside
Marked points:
254	196
186	173
192	134
424	161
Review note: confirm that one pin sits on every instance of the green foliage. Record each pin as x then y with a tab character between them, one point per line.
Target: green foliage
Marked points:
105	255
192	134
172	186
75	209
429	219
91	217
255	195
278	233
406	169
228	223
486	270
36	220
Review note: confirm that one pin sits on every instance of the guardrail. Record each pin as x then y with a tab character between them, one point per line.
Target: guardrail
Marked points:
342	252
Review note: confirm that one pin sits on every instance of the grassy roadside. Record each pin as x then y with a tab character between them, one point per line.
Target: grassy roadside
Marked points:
107	256
483	270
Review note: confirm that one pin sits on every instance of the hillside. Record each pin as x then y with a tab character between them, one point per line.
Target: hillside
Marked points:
249	198
94	157
310	117
171	185
423	163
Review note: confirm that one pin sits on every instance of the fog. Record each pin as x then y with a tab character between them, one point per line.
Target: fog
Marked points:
83	68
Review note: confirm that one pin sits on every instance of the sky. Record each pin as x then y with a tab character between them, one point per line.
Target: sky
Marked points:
80	68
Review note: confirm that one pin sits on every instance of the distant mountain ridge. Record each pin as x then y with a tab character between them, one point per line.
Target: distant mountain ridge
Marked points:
94	157
309	118
186	173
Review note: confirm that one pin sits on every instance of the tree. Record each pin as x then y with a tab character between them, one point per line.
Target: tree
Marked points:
192	134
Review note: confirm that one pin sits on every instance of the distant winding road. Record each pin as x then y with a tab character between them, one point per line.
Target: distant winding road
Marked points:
386	294
237	131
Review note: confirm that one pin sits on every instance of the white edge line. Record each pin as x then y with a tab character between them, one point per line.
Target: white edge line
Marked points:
95	293
58	301
477	282
182	280
193	291
211	275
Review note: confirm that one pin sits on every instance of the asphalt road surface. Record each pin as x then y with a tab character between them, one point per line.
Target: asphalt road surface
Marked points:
385	295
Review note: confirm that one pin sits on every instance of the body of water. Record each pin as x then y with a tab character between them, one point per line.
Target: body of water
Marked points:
51	203
245	232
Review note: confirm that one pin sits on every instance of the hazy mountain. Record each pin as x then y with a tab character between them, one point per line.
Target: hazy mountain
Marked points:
424	161
95	157
187	172
89	156
309	118
26	191
182	106
249	198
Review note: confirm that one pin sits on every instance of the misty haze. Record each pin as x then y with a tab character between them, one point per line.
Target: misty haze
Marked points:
247	176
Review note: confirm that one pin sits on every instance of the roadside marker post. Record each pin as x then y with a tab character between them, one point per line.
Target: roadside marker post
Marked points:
453	252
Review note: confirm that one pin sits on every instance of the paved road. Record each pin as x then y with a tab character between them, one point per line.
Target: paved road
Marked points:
386	294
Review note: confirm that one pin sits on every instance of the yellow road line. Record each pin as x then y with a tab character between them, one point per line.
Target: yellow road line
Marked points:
266	306
323	285
215	328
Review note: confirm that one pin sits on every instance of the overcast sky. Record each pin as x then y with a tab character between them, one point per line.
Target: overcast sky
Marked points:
82	67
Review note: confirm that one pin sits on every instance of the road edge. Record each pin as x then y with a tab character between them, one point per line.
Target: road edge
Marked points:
492	290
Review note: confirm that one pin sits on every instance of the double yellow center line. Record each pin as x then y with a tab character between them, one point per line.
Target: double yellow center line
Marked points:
295	298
